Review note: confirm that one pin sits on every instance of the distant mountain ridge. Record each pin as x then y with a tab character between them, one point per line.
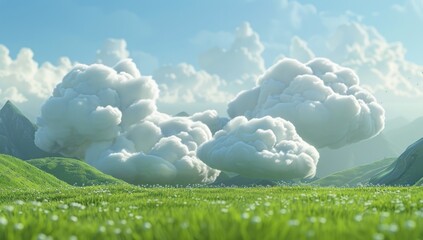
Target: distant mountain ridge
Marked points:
17	134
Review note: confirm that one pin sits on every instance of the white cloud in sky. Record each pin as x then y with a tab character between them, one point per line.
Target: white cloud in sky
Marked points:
382	66
183	84
261	148
322	99
26	82
241	63
112	52
108	116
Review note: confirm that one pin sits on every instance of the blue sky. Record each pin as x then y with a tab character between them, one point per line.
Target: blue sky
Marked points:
166	29
160	32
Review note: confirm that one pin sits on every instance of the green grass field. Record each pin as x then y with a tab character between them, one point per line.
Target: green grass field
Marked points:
15	173
126	212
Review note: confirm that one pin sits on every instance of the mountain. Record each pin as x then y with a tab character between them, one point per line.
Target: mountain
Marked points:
15	173
74	172
356	154
360	175
17	134
403	136
406	170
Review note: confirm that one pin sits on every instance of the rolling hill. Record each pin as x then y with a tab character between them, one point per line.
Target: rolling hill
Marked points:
74	172
355	176
15	173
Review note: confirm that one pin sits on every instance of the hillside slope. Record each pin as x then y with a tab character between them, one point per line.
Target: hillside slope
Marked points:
74	172
15	173
355	176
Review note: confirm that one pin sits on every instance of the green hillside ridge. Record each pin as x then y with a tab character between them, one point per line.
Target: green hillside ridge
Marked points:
355	176
16	173
74	172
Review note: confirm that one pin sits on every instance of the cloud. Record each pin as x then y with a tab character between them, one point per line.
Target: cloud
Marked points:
261	148
27	83
381	65
322	99
300	50
184	84
112	52
211	119
108	116
241	63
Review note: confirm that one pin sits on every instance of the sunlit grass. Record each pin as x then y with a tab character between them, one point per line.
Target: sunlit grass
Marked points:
124	212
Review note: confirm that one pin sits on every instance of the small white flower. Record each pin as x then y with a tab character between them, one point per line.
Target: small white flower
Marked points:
3	221
19	226
73	219
410	224
256	219
147	225
54	218
102	229
245	215
294	222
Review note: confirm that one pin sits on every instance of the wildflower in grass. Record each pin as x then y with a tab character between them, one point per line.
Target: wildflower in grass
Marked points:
138	217
54	218
283	211
322	220
73	219
9	208
19	226
147	225
378	236
294	222
256	219
102	229
224	210
117	231
410	224
110	222
128	231
123	222
42	236
73	237
245	215
358	218
19	202
3	221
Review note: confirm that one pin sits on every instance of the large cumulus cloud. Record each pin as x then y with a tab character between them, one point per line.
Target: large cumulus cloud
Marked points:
322	99
108	117
262	148
26	82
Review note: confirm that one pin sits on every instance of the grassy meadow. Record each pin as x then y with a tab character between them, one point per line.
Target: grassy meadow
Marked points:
129	212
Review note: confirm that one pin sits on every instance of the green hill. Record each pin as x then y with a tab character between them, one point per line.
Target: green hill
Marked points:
355	176
16	173
419	183
74	172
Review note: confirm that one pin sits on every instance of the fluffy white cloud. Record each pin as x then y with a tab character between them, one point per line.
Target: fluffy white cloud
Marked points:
322	99
261	148
25	82
112	52
211	119
184	84
381	65
108	117
300	50
239	64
